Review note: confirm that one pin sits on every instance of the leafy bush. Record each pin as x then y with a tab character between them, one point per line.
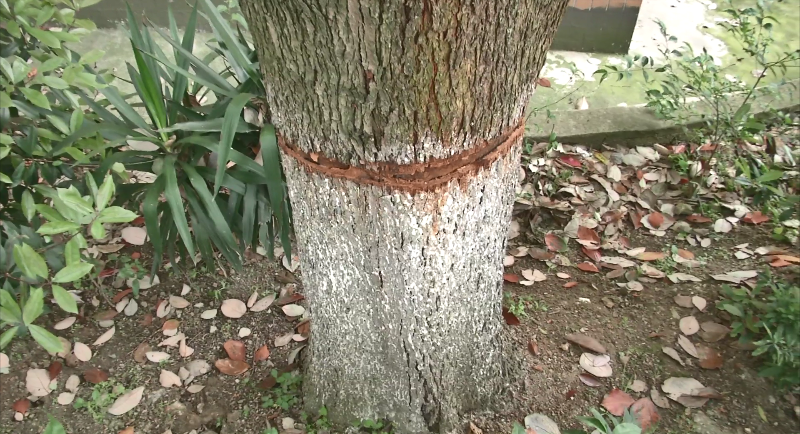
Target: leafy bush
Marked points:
601	423
205	137
769	317
47	210
46	255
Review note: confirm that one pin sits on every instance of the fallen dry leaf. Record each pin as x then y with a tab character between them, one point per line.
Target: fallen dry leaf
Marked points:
134	235
683	301
170	325
82	352
658	398
587	362
95	376
21	405
689	325
682	277
511	278
510	318
263	303
72	383
570	284
105	337
139	354
590	380
709	358
645	412
65	398
687	346
755	218
617	401
685	254
651	256
588	267
554	242
673	353
126	402
699	302
65	323
156	356
656	219
127	430
54	369
722	226
233	308
713	332
586	342
37	382
169	379
231	367
236	350
178	302
293	310
261	354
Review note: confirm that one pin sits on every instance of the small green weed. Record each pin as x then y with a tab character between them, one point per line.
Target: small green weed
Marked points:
103	395
373	426
320	424
769	316
286	393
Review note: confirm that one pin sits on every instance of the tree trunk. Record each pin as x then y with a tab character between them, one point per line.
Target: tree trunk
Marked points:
400	128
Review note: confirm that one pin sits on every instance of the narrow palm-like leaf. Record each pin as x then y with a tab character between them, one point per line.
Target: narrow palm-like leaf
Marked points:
204	243
206	126
249	214
272	170
225	33
200	66
181	81
220	226
212	84
229	127
150	211
173	194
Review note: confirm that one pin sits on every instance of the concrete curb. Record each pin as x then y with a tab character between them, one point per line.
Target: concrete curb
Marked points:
633	126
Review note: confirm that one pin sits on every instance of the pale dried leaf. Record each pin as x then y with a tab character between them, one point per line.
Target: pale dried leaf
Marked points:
131	308
134	235
688	346
72	383
195	388
126	402
82	352
284	340
65	398
169	379
587	363
263	303
105	336
172	341
722	226
673	353
37	382
233	308
65	323
699	302
689	325
178	302
293	310
163	309
185	350
156	356
208	314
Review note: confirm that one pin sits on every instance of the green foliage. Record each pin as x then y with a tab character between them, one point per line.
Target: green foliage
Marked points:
608	424
287	392
686	85
768	316
53	426
373	426
103	395
320	424
47	254
199	121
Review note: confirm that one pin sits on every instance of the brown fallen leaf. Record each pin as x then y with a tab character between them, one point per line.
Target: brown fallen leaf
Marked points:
236	350
120	295
588	267
617	401
147	319
587	342
231	367
554	242
105	315
689	325
570	284
588	234
139	354
651	256
779	263
533	347
95	376
54	369
656	219
510	318
128	430
304	327
268	383
540	254
171	324
697	218
755	218
688	346
713	332
645	412
590	380
21	405
685	254
511	278
683	301
261	354
709	358
289	299
614	274
594	255
787	258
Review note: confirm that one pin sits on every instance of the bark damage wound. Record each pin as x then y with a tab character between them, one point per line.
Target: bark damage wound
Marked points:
411	178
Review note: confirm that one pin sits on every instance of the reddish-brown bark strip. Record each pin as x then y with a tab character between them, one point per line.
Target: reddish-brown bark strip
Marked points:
415	177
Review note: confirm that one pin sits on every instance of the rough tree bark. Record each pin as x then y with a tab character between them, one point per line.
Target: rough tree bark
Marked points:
400	125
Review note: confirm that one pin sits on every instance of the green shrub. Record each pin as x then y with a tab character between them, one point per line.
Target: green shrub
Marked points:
229	208
769	317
